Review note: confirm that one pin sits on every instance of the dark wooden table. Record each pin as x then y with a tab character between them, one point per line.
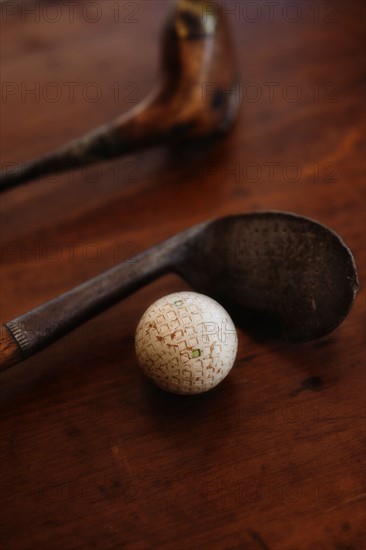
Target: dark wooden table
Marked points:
92	455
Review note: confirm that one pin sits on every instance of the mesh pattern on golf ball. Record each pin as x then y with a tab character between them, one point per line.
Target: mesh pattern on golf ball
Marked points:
186	343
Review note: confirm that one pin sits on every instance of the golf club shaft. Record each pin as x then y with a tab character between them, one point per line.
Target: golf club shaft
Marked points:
35	330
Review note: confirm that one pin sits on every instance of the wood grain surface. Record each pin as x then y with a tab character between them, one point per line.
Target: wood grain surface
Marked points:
93	455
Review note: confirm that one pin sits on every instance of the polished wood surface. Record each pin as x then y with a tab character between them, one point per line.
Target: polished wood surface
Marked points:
92	455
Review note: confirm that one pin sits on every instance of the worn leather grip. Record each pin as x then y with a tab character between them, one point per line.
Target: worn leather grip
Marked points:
10	353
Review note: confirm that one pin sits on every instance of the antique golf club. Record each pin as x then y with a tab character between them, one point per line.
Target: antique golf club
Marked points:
277	273
195	98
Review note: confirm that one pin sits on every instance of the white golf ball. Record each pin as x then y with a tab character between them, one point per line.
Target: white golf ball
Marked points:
186	343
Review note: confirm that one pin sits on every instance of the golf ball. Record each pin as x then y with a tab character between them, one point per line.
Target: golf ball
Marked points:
186	343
